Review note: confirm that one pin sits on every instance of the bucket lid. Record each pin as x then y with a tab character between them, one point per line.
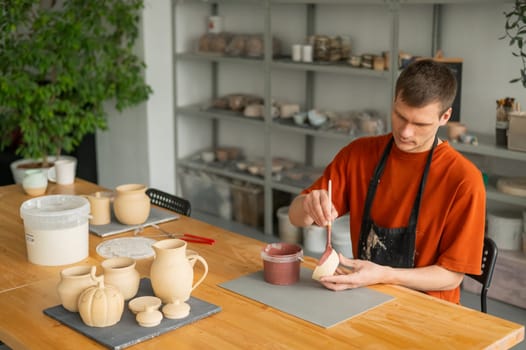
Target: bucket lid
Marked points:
282	252
55	205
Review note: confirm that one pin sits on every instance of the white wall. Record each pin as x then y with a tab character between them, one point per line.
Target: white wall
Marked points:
138	146
472	32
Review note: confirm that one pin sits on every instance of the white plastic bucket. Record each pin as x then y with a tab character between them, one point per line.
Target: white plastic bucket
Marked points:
287	232
56	229
505	228
341	236
315	238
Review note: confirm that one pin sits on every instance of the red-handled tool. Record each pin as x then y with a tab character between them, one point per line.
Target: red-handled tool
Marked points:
186	236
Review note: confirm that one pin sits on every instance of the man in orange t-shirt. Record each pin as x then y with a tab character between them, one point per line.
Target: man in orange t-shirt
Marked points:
416	205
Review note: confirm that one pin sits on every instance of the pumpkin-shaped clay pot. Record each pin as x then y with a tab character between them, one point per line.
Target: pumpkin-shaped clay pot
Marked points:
101	305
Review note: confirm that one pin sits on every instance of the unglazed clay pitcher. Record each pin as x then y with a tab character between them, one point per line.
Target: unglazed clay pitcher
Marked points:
73	281
172	276
120	272
131	205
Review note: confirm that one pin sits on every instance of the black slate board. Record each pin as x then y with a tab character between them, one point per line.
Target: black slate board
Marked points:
127	331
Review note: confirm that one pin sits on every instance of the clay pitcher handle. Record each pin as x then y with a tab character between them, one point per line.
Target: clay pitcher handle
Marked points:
202	261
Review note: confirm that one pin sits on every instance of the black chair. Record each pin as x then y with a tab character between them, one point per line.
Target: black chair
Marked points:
489	258
169	201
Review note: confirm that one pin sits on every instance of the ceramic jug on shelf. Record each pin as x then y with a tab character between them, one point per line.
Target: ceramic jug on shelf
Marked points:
131	205
73	281
121	273
172	275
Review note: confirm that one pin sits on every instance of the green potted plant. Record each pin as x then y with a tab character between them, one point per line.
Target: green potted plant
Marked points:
60	62
515	29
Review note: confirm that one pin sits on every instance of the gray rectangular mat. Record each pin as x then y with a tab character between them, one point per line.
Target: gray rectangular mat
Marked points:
308	299
127	331
156	217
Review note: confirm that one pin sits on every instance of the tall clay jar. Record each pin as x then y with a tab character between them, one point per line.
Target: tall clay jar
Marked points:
131	205
73	281
120	272
172	272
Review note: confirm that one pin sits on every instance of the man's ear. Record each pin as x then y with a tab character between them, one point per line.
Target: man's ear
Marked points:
444	118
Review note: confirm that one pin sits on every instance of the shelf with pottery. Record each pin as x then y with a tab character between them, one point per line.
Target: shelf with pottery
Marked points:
287	124
269	65
222	170
487	147
216	57
213	2
493	194
291	180
202	111
285	63
383	2
325	67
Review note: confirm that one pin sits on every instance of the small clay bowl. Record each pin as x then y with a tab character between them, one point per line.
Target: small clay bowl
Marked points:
316	118
300	118
140	304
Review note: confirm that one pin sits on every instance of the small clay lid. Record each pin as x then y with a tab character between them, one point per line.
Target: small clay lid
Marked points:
150	317
176	310
140	304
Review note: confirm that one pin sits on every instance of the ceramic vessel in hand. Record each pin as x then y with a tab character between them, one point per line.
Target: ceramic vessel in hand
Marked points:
131	205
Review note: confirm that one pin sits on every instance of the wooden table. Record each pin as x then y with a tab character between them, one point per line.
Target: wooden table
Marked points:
410	320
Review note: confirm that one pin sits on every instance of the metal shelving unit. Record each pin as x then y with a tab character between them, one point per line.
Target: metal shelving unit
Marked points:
269	64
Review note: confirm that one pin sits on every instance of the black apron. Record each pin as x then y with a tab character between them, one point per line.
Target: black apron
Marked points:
393	247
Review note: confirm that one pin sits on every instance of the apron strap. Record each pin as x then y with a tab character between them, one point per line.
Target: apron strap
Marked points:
416	207
375	180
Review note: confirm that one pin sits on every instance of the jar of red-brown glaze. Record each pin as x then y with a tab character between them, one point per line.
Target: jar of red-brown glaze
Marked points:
281	263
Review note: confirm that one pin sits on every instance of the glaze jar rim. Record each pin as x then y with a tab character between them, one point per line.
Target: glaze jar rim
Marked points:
273	252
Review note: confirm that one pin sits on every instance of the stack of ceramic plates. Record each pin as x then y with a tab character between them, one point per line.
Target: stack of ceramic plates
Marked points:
516	186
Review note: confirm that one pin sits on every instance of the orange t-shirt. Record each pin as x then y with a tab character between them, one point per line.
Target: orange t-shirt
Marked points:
450	228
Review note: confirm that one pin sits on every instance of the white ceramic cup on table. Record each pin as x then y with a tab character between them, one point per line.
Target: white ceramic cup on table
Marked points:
63	171
34	182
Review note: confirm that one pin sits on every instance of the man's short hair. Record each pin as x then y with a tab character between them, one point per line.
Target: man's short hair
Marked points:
426	81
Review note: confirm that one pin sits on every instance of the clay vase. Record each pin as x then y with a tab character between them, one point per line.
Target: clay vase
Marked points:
150	317
172	276
131	205
120	272
73	281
